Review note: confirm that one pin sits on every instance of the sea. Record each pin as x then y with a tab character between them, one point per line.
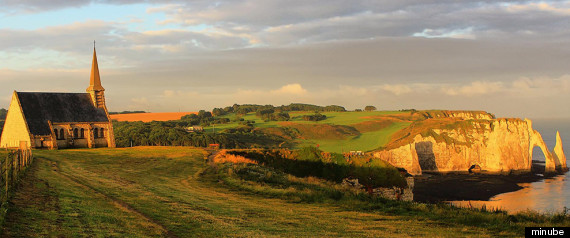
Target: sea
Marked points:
549	195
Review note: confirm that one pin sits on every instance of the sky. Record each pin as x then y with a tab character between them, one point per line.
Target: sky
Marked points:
511	58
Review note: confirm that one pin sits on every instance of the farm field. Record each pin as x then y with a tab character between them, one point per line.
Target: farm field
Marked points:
158	192
151	116
367	139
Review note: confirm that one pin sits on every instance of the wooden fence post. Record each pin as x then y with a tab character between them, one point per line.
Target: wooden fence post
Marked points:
7	174
11	168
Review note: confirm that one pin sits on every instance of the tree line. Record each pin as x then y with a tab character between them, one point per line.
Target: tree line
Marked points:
126	112
3	113
172	133
203	118
247	108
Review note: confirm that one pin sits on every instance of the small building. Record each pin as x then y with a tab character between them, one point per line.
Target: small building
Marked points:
194	129
60	120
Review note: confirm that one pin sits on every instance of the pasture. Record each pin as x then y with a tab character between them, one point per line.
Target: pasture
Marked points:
160	192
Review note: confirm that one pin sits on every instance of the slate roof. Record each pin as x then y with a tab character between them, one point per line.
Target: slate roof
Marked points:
38	108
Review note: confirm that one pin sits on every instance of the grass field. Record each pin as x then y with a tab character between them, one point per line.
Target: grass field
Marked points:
363	142
158	192
367	139
336	118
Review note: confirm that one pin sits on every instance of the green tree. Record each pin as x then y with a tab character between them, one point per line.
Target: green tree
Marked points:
218	112
3	113
370	108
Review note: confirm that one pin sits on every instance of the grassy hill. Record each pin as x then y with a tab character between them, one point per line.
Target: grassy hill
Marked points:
171	192
339	132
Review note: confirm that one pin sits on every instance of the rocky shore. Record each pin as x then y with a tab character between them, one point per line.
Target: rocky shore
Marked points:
432	188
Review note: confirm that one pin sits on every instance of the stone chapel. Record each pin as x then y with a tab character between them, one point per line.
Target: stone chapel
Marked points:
60	120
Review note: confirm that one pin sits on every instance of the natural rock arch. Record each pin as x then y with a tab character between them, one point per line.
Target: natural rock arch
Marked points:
554	161
496	146
426	157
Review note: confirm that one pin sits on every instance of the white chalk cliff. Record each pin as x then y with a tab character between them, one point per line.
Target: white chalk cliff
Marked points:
495	145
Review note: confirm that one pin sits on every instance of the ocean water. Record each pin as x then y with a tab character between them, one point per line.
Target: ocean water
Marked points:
545	196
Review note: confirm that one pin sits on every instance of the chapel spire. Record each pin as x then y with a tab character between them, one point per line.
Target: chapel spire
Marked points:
95	82
95	89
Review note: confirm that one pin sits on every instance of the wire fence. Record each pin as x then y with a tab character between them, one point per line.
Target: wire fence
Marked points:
11	168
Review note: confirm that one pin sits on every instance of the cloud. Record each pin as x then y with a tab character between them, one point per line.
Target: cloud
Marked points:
562	8
474	89
68	37
299	22
30	6
295	89
466	33
542	85
522	87
401	54
396	89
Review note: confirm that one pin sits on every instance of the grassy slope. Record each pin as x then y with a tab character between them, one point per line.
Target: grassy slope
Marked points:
366	141
337	118
141	192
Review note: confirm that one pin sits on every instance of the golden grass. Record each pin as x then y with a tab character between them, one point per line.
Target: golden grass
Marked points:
148	117
224	157
135	192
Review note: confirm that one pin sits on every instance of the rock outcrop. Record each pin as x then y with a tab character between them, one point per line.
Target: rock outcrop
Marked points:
456	144
559	152
393	193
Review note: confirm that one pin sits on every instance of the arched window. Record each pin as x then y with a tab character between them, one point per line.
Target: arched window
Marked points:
55	133
102	132
95	133
75	133
61	134
82	133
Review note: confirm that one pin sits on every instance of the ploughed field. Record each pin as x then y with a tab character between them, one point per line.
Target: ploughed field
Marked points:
166	192
147	117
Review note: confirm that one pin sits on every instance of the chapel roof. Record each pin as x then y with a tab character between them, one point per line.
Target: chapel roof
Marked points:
39	107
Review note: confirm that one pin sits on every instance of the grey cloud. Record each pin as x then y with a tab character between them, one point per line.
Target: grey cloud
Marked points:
321	45
294	22
30	6
183	37
69	37
363	63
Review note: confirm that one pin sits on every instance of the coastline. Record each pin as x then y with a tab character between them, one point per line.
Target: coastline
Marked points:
434	188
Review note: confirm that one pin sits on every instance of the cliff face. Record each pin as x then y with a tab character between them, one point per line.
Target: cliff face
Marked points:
495	145
466	115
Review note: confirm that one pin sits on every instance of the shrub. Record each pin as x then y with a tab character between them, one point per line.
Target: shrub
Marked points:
314	117
308	161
